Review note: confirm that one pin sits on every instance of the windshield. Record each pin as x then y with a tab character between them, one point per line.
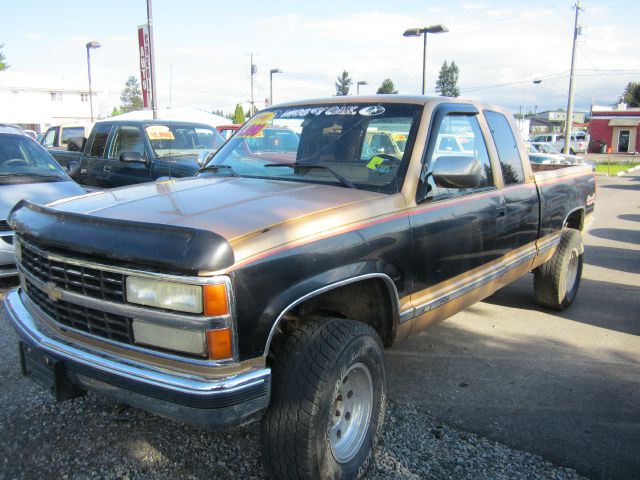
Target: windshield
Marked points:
21	156
180	140
365	146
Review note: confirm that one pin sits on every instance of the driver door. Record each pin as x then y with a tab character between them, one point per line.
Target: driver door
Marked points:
126	139
454	230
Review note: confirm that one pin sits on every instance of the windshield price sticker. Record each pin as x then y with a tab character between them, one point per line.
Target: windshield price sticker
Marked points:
379	164
253	128
159	132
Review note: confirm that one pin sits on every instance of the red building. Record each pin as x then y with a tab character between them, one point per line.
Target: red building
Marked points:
619	129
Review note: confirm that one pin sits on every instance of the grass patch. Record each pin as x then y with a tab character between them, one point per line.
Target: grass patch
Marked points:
614	168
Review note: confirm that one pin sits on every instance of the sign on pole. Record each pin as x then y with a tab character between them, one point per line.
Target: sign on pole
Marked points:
145	64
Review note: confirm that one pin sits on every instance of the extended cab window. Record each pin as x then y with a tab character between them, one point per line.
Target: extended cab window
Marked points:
100	136
457	136
510	161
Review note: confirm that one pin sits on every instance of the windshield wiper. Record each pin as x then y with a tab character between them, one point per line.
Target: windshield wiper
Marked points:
341	179
218	167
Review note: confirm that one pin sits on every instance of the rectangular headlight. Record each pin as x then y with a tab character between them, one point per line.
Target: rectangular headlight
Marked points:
169	295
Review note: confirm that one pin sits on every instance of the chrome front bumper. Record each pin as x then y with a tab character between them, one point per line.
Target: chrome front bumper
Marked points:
192	399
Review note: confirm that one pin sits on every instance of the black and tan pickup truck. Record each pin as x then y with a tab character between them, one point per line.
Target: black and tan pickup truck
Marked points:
267	286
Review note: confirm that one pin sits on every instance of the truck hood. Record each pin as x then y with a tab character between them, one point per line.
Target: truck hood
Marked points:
232	207
37	192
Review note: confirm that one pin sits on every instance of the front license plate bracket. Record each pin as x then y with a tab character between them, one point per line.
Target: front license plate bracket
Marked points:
47	372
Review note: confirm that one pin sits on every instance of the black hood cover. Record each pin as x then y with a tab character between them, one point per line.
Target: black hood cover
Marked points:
181	250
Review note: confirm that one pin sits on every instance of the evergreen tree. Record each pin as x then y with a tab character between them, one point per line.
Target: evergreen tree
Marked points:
131	96
238	116
3	65
631	95
447	83
387	87
115	112
343	83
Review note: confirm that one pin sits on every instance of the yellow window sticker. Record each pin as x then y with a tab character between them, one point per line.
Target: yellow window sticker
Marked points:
159	132
253	128
379	164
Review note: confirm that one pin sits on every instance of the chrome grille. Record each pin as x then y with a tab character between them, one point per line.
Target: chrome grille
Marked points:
80	279
103	324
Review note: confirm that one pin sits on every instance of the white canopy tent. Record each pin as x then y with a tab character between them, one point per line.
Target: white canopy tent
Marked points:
185	115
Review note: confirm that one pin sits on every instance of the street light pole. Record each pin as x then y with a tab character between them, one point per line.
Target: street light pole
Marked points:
271	72
361	82
416	32
567	125
90	45
254	69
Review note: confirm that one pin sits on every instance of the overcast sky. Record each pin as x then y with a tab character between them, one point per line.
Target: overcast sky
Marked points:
202	47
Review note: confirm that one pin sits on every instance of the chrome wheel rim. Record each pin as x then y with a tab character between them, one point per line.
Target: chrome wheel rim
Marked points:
572	270
351	412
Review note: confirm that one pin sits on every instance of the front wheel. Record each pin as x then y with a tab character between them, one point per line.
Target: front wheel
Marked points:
556	281
327	403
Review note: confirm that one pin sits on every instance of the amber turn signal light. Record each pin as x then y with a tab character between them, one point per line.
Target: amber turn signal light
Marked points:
219	344
215	300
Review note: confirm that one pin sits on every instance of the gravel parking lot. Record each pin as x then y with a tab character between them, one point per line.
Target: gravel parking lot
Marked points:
91	437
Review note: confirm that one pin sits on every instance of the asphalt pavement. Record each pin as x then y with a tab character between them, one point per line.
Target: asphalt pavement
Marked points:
563	385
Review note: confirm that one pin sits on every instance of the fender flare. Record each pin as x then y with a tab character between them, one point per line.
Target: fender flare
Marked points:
391	287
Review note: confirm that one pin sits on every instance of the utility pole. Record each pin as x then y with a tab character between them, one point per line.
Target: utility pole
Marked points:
567	126
254	69
152	60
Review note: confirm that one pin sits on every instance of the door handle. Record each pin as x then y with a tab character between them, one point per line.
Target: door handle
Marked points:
106	168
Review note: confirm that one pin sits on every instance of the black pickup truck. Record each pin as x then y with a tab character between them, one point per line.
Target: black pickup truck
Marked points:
267	286
125	152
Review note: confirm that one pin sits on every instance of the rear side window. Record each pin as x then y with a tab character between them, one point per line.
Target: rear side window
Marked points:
100	140
510	161
71	132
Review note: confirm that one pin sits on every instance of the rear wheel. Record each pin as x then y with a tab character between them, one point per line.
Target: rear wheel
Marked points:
327	403
556	281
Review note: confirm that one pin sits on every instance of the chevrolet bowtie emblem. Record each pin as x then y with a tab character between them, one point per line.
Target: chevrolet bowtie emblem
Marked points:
53	292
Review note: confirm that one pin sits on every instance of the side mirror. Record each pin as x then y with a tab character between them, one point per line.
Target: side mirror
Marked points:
73	169
457	172
132	157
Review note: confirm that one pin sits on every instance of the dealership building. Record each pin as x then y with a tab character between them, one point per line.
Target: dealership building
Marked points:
617	128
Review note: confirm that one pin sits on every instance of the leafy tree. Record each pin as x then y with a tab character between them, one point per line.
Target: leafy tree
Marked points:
631	95
115	112
343	83
447	83
131	96
387	87
3	65
238	116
